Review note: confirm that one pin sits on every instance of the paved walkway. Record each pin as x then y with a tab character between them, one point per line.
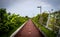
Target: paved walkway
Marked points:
29	30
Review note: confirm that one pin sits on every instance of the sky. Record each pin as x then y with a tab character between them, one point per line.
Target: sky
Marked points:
29	7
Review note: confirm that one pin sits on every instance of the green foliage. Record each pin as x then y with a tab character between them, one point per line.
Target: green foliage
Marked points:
55	21
44	17
9	23
57	15
47	32
3	19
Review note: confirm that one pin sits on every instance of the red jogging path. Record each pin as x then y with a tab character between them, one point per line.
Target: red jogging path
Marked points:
29	30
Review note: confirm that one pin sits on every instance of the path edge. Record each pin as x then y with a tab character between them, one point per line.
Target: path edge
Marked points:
40	29
14	33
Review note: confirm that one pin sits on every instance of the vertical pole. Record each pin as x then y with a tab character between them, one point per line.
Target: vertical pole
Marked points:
40	13
48	19
40	9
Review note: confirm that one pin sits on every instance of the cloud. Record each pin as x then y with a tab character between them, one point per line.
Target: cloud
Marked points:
54	3
29	7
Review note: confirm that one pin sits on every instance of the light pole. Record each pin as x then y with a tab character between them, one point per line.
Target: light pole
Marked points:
40	7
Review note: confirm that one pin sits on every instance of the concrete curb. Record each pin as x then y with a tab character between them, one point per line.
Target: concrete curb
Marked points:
14	33
43	33
40	30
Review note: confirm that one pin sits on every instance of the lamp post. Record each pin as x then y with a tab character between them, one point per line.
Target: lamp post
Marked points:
40	7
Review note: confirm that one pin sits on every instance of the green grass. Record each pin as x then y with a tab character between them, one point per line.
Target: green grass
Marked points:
47	32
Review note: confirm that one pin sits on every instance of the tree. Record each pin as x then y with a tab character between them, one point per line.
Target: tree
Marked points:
44	18
3	19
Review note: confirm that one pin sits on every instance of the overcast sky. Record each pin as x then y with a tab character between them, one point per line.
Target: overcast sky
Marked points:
29	7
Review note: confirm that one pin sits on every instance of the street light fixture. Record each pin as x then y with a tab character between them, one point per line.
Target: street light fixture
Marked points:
40	9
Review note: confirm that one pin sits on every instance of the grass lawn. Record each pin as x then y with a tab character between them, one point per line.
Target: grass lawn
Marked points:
47	32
